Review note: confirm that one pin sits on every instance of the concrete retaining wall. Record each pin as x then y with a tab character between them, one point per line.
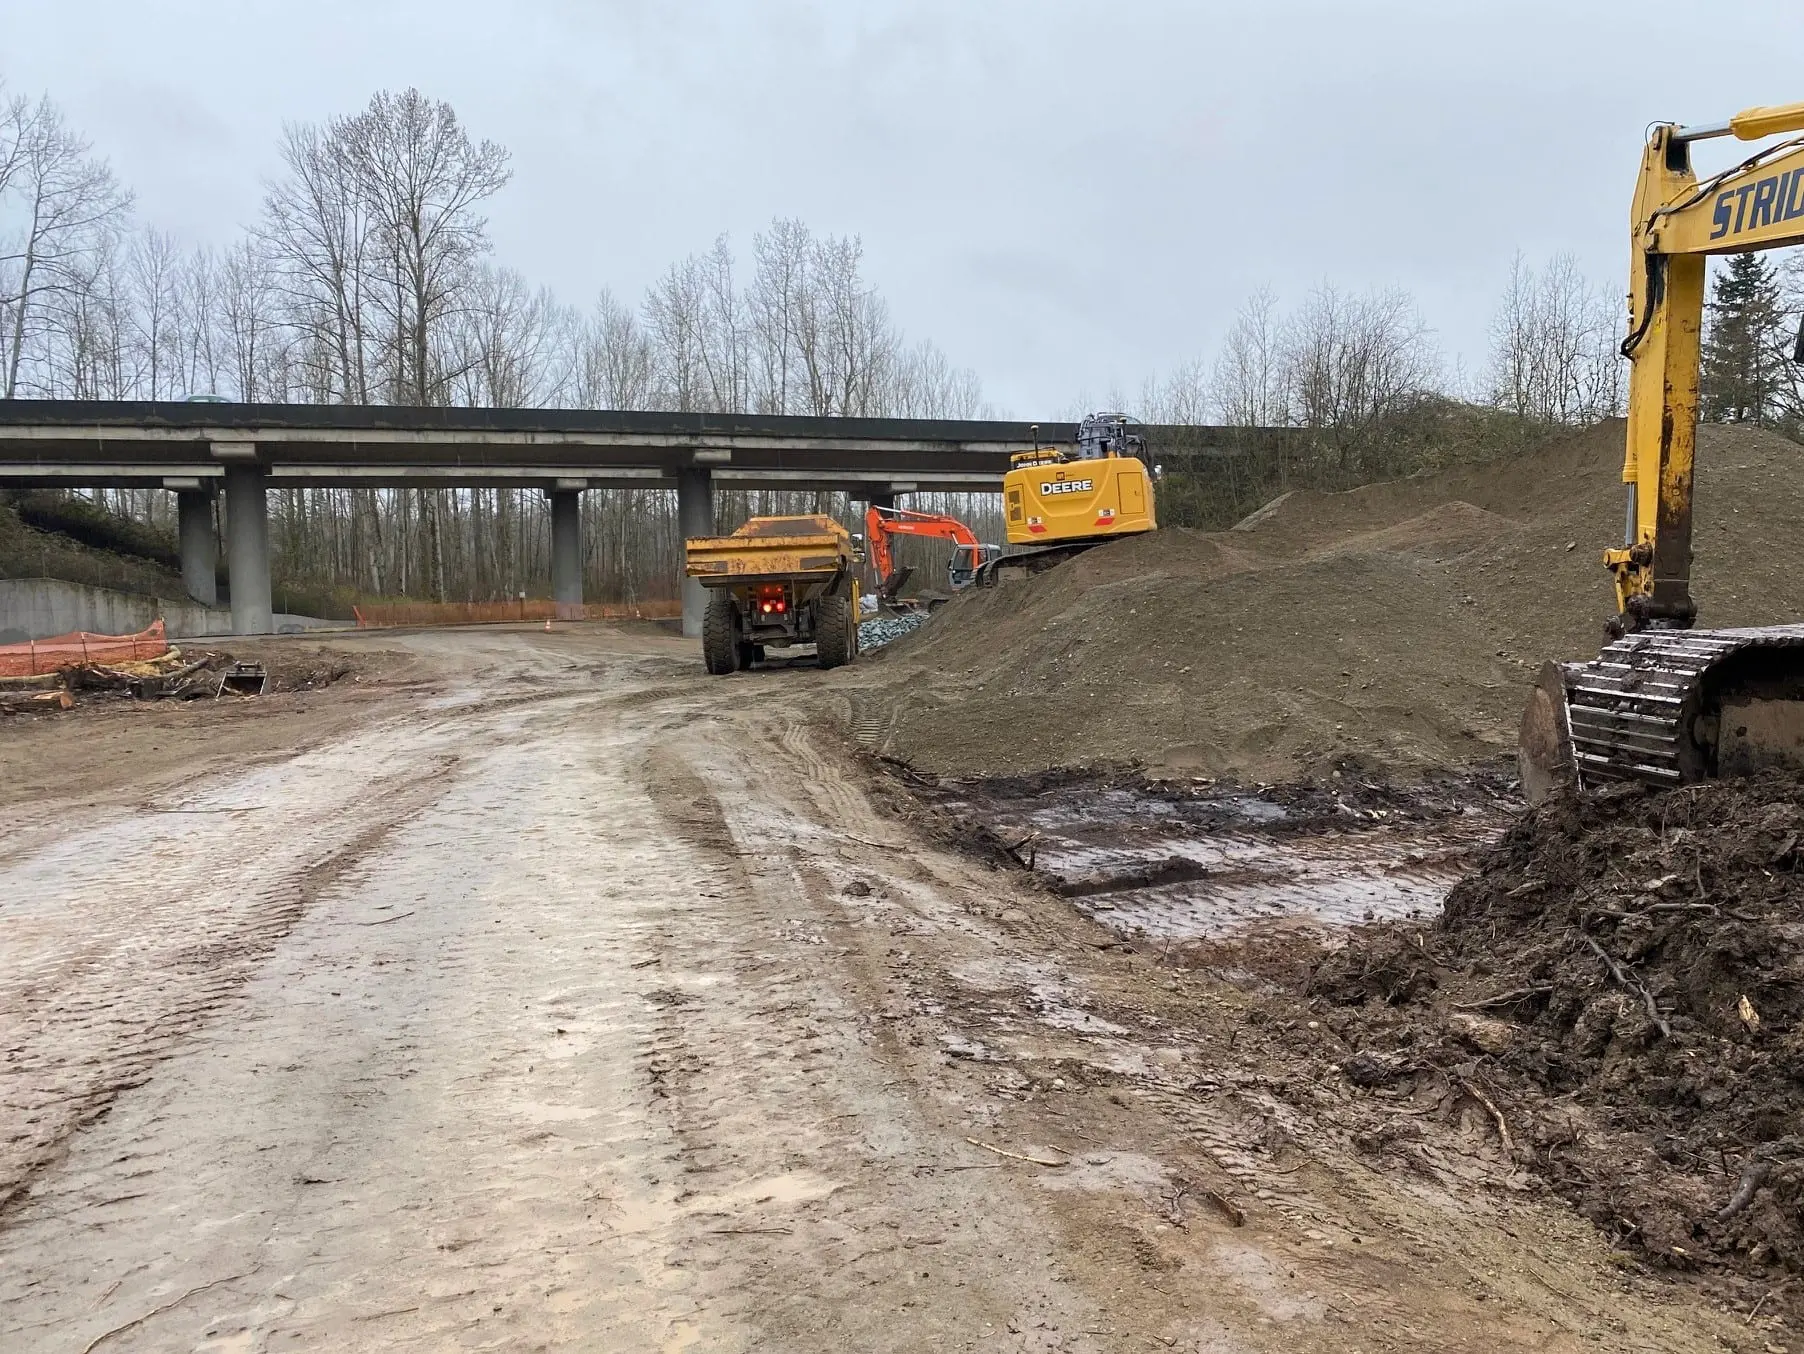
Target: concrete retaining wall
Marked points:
36	608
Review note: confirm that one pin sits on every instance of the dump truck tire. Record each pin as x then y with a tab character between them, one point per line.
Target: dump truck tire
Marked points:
720	635
834	638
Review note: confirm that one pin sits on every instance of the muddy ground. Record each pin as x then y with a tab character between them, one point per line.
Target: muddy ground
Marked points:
535	991
1393	627
1622	971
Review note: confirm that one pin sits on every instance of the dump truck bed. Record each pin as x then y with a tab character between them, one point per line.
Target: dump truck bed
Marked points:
798	549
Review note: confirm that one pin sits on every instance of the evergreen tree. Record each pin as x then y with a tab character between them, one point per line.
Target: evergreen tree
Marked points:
1741	372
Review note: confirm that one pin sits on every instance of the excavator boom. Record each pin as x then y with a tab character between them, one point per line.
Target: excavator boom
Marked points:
1664	702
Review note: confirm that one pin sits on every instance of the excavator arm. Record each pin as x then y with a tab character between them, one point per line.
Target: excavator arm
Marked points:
1665	703
882	523
1677	222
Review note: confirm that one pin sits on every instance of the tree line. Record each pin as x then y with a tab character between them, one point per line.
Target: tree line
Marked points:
368	276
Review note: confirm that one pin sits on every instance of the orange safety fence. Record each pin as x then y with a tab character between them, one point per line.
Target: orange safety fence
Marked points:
379	614
38	656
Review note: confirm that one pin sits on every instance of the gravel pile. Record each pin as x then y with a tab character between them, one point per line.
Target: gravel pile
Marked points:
874	634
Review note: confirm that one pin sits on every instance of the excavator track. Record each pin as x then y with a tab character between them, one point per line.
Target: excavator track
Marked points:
1034	560
1650	707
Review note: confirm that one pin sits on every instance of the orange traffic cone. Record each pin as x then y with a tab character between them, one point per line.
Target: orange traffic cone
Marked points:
548	625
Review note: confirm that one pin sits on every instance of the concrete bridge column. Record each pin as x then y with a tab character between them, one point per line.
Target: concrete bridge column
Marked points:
695	517
200	552
567	552
247	549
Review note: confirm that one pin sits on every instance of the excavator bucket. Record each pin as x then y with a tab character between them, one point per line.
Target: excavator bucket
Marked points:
243	679
1544	746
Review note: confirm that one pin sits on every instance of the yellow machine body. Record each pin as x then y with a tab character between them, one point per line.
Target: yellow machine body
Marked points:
1665	703
774	583
1051	500
1676	222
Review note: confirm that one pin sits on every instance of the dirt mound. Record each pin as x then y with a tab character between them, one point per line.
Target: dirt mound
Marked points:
1396	625
1621	982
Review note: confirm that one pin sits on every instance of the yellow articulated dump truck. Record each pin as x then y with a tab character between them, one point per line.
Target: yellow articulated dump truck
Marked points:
777	582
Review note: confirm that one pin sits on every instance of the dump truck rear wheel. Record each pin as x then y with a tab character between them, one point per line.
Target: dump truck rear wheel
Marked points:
720	635
833	633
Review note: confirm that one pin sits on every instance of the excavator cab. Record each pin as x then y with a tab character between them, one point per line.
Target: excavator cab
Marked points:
1101	435
1666	703
966	561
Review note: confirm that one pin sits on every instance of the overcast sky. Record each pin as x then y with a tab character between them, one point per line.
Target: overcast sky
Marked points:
1066	196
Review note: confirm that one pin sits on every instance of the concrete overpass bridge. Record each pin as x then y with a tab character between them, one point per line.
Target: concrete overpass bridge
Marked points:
198	450
201	449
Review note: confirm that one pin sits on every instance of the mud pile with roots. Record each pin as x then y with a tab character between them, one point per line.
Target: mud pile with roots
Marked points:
1619	986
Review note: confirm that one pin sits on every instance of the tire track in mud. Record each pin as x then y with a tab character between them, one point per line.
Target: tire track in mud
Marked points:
438	1130
785	1043
82	1028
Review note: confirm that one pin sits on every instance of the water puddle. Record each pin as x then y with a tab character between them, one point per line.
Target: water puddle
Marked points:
1181	862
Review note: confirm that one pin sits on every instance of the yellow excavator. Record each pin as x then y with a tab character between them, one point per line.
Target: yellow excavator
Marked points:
1666	703
1058	501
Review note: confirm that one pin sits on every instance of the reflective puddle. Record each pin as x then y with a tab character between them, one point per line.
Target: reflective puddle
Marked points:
1174	862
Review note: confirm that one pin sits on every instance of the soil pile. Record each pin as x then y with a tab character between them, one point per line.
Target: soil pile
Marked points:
1621	984
1395	626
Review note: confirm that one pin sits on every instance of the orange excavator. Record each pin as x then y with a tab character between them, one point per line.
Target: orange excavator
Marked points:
968	554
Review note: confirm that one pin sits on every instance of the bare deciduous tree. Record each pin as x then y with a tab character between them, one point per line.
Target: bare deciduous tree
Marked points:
1554	341
617	369
1248	380
58	208
421	179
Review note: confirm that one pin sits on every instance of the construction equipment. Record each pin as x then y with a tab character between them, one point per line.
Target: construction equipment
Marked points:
968	553
1060	501
774	583
1665	703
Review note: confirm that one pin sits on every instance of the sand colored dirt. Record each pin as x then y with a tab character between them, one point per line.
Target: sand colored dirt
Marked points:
1395	626
552	994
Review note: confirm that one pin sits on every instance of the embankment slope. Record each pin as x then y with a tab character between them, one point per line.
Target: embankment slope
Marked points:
1394	626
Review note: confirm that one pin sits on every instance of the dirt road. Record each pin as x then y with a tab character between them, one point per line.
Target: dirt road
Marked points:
562	998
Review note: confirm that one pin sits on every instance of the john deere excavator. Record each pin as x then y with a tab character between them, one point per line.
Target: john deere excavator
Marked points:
1059	501
968	554
1664	702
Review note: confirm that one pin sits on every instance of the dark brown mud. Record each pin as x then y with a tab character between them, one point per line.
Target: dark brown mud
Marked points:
1623	973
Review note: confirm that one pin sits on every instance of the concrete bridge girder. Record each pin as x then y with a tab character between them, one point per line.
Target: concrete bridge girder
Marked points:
212	455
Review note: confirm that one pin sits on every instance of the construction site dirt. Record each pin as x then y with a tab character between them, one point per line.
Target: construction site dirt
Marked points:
1393	627
534	990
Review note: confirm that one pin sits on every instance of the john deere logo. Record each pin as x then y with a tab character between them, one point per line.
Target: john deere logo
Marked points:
1066	487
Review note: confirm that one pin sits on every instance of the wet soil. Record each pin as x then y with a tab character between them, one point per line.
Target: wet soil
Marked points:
558	996
1623	972
1182	860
